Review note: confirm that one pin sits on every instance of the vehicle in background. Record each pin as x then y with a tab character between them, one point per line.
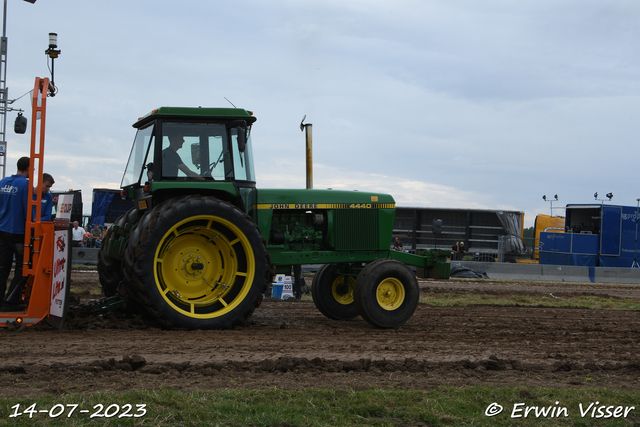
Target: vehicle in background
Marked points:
488	235
545	224
107	206
596	235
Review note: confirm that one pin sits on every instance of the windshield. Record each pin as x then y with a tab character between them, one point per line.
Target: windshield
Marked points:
194	150
138	156
201	150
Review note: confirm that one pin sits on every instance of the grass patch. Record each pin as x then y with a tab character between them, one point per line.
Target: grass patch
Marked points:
319	407
582	301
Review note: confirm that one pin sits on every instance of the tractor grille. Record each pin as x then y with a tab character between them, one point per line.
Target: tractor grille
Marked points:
356	229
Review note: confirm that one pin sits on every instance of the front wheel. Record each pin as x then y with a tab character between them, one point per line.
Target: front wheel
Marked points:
386	293
198	263
333	293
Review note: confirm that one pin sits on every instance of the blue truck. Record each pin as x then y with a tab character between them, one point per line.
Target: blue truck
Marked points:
107	206
596	235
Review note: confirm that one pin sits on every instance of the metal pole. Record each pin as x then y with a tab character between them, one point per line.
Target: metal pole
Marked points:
635	253
307	127
4	20
3	87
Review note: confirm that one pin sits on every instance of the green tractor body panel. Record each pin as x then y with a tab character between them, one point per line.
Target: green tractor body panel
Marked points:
227	188
324	226
195	113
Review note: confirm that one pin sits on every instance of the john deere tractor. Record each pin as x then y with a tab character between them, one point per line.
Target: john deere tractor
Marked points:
202	242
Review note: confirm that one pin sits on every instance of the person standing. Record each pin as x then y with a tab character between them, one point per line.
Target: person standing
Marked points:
47	198
14	193
298	282
77	235
46	201
462	251
455	250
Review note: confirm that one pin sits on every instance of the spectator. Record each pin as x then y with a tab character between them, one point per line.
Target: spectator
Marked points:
462	251
94	236
298	282
455	250
104	234
397	245
77	235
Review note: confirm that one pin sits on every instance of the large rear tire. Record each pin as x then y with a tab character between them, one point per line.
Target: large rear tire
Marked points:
333	293
198	263
386	293
109	268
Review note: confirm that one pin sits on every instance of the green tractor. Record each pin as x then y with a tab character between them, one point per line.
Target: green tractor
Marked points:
202	243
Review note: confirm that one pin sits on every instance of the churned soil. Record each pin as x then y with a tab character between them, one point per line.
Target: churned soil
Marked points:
290	345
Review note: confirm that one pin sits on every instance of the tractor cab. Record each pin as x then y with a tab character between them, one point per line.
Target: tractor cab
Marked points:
190	148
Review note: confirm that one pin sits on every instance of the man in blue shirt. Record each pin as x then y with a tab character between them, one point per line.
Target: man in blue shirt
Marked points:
47	197
46	201
14	191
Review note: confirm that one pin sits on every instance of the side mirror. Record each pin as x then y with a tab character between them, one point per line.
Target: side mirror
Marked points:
241	128
195	154
20	126
150	171
242	139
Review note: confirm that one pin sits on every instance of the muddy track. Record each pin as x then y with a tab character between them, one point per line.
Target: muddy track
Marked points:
289	344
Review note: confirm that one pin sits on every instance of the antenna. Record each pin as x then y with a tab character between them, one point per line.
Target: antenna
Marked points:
230	102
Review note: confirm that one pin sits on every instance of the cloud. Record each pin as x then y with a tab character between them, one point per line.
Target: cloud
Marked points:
408	193
441	103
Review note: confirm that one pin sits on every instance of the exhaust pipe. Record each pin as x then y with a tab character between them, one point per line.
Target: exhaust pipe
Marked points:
309	138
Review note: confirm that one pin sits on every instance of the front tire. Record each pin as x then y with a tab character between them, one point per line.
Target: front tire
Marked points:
333	293
198	263
386	293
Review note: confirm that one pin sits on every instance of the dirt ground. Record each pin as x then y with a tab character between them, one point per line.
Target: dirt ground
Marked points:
290	345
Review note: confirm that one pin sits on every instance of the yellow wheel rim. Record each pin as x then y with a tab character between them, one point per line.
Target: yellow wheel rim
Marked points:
342	289
204	266
390	293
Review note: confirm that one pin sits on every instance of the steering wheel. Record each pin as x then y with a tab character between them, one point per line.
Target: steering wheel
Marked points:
213	165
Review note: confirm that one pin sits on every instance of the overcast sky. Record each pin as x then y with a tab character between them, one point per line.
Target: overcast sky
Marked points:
458	104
